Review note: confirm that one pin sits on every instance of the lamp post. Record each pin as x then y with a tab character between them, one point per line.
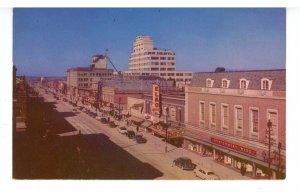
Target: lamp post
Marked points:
119	109
279	159
167	114
269	125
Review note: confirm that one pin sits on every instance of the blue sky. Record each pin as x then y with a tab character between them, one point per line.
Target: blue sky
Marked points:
49	41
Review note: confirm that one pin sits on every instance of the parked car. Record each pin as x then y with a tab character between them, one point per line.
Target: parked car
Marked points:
75	111
140	139
103	120
122	130
92	114
130	134
184	163
205	173
112	124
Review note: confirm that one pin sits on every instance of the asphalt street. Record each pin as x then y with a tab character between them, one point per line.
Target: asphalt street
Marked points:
101	152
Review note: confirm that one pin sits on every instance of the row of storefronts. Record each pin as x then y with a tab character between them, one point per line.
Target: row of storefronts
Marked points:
227	124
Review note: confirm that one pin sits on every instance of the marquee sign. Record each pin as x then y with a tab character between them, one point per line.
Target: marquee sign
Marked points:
156	99
234	146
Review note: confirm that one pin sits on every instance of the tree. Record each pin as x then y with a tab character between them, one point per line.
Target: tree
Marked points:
219	69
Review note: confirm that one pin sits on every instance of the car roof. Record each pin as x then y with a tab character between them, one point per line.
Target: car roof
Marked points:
184	158
204	169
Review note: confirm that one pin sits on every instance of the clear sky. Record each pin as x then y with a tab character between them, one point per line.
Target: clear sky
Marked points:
49	41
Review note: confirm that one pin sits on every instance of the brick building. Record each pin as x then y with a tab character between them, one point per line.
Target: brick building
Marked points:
227	114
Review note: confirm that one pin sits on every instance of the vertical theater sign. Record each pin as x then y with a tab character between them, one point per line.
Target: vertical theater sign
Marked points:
156	99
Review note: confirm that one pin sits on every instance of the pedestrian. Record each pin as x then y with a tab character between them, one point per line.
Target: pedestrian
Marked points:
137	129
243	169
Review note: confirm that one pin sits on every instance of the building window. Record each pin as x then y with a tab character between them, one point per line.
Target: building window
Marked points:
172	113
225	116
238	119
212	109
243	84
202	112
254	120
273	117
209	82
266	84
225	83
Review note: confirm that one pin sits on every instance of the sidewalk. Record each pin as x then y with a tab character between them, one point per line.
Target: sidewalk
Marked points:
222	171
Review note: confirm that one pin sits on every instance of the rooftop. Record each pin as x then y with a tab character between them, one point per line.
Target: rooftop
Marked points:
277	76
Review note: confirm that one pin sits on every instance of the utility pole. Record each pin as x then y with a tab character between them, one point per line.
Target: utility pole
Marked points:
119	109
167	114
279	159
269	124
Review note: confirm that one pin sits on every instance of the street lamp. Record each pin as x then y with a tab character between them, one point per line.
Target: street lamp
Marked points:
269	125
119	109
166	126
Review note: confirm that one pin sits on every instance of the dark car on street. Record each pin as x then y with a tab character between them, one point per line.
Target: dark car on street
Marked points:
140	139
103	120
130	134
184	163
92	114
112	124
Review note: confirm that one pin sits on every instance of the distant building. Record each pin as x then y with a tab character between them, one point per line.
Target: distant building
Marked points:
147	60
83	81
114	93
227	115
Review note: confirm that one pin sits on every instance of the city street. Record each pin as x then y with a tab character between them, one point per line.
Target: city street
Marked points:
152	154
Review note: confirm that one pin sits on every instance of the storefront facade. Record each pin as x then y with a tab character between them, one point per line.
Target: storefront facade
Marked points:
227	115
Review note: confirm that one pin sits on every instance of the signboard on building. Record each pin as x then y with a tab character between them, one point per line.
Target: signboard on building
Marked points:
156	99
234	146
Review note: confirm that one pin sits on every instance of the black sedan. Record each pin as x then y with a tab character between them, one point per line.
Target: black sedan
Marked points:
184	163
130	134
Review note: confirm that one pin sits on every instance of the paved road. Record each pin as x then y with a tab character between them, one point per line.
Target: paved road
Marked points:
153	152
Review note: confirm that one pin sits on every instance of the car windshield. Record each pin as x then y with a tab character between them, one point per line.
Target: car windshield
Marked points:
210	173
123	128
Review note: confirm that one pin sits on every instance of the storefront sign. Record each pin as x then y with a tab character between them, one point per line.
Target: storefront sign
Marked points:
156	92
233	146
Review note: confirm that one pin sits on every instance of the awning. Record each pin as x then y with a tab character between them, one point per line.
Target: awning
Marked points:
138	105
232	153
146	124
138	120
124	112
